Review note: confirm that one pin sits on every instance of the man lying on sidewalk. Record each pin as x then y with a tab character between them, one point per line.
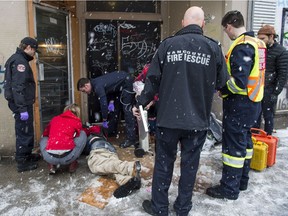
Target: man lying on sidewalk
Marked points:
103	160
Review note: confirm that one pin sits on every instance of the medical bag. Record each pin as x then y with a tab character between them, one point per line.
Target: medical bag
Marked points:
259	158
270	140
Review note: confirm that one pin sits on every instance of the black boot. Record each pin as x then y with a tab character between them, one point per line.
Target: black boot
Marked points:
25	165
218	192
243	187
126	189
147	207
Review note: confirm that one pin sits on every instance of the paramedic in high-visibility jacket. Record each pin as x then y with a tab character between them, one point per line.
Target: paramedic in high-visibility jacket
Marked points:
241	105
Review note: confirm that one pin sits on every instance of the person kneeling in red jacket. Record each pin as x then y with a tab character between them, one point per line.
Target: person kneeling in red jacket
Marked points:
63	140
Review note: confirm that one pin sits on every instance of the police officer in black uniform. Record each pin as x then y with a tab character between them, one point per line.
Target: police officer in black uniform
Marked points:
185	71
19	90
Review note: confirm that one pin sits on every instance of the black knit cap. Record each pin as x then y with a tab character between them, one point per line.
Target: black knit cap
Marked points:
30	41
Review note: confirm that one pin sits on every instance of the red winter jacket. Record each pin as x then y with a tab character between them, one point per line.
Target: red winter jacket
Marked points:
61	131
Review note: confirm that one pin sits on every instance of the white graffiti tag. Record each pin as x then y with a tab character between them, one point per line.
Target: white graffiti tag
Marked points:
53	46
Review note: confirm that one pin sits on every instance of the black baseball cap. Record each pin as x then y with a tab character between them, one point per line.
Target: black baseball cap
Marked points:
30	41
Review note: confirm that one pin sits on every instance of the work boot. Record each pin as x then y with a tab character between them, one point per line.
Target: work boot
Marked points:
127	143
73	166
217	192
148	207
243	187
124	190
25	165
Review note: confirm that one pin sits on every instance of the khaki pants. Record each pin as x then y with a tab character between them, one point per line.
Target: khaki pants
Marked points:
103	162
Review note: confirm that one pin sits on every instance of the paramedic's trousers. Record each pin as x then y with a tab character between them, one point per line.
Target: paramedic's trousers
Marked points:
24	131
166	152
239	115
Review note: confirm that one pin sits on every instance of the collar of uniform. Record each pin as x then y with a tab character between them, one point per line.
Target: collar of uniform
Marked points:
249	33
194	29
25	55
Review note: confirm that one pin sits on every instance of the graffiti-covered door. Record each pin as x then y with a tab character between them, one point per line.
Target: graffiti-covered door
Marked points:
54	77
118	45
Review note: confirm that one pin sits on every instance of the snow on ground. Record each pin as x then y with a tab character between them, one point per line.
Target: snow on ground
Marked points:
36	193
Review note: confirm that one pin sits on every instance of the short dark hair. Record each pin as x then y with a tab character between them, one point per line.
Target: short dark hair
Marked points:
234	18
81	83
22	46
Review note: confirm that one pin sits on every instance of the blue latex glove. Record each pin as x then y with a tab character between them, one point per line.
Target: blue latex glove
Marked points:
24	116
105	124
111	107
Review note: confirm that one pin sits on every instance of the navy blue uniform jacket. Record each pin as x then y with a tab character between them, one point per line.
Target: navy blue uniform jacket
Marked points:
19	86
107	84
185	71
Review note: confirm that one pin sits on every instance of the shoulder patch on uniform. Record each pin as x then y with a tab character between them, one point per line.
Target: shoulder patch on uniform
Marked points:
21	67
217	42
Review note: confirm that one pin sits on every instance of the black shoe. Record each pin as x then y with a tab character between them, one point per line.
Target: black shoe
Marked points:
243	187
126	189
127	144
217	192
26	166
139	152
147	207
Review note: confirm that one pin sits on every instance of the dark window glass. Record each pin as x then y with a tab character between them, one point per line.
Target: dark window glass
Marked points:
118	45
124	6
53	59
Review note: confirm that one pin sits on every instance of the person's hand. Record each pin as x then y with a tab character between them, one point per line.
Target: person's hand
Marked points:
111	107
136	113
105	124
149	105
24	116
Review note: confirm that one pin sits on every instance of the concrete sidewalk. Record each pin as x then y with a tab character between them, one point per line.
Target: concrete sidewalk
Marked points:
38	193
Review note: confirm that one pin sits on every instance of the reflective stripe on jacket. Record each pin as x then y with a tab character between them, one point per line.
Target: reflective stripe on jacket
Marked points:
255	86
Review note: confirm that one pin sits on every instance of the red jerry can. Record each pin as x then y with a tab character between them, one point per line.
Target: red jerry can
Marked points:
271	141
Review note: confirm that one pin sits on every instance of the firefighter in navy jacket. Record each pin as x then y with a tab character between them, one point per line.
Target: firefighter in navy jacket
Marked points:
120	84
241	105
19	90
185	71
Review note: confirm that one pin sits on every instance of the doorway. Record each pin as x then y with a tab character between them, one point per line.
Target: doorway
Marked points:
54	74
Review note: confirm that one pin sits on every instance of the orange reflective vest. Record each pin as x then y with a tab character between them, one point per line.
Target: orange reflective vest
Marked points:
255	86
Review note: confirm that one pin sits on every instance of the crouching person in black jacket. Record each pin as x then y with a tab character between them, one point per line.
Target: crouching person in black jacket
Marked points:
103	160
